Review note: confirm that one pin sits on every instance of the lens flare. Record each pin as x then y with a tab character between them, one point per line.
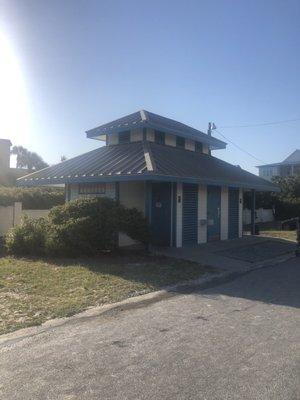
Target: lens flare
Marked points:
13	101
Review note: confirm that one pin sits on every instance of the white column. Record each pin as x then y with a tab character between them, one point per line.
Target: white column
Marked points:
240	212
179	216
17	213
202	214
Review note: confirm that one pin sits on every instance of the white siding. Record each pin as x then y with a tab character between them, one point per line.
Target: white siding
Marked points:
179	216
202	214
131	195
10	216
136	135
241	212
190	144
224	213
170	140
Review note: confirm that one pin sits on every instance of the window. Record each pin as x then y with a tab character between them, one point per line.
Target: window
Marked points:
124	137
92	188
159	137
180	142
199	147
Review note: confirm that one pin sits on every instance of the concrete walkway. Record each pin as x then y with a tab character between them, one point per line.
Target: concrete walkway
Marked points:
238	255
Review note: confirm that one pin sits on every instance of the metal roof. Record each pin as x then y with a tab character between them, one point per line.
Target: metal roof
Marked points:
144	119
292	159
146	161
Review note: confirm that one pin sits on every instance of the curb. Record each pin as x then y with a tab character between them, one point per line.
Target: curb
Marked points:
140	300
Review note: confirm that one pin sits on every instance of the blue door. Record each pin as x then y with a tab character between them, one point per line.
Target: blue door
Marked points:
189	213
213	212
233	213
161	214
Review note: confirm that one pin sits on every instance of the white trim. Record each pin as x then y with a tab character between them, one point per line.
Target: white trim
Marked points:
179	216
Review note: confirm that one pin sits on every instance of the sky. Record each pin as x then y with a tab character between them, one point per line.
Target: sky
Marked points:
68	66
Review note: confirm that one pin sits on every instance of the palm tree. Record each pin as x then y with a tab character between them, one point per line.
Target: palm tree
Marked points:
28	159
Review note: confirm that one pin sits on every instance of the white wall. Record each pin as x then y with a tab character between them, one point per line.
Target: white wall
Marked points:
131	195
9	217
202	214
12	215
224	213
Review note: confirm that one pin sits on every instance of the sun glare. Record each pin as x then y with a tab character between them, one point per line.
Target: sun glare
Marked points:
13	107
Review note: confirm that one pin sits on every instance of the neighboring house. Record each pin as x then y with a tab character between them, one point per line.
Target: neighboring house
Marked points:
8	175
163	168
288	167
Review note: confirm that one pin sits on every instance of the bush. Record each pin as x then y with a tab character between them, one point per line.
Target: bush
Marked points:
40	198
80	227
287	210
27	238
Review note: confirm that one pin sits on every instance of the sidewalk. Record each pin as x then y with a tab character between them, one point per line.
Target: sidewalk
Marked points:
238	255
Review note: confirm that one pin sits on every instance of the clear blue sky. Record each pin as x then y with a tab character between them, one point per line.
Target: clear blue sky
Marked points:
84	63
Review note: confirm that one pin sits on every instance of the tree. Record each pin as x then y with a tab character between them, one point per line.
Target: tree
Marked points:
28	159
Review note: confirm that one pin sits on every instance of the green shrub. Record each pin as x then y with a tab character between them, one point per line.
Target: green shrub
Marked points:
80	227
28	238
40	198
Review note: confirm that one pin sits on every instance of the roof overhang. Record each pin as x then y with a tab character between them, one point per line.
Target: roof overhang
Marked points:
144	177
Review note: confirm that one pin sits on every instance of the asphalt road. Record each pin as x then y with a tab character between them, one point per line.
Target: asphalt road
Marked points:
238	340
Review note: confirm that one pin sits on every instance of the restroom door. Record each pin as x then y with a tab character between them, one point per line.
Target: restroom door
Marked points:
213	213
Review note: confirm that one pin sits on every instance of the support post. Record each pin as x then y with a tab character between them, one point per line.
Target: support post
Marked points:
252	212
297	252
148	205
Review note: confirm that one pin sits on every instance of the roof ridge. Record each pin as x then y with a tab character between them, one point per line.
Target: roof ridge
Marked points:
144	115
150	163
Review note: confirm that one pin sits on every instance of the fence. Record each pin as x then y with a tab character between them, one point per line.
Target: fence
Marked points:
11	216
261	215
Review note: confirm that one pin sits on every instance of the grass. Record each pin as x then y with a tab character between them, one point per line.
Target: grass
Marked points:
290	235
35	290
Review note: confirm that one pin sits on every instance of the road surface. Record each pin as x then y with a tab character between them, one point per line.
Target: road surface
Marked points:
238	340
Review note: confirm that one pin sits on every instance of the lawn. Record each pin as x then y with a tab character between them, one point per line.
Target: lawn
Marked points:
35	290
290	235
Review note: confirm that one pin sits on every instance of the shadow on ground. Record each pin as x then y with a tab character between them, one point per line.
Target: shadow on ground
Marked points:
277	284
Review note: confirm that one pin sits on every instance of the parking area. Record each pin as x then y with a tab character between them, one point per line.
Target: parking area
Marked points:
235	255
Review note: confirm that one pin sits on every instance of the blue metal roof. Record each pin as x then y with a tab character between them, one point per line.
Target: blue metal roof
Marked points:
146	161
146	119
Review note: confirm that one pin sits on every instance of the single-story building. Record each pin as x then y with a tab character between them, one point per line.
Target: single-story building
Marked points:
165	169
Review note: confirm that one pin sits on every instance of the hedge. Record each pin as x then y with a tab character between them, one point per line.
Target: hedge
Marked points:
39	198
80	227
